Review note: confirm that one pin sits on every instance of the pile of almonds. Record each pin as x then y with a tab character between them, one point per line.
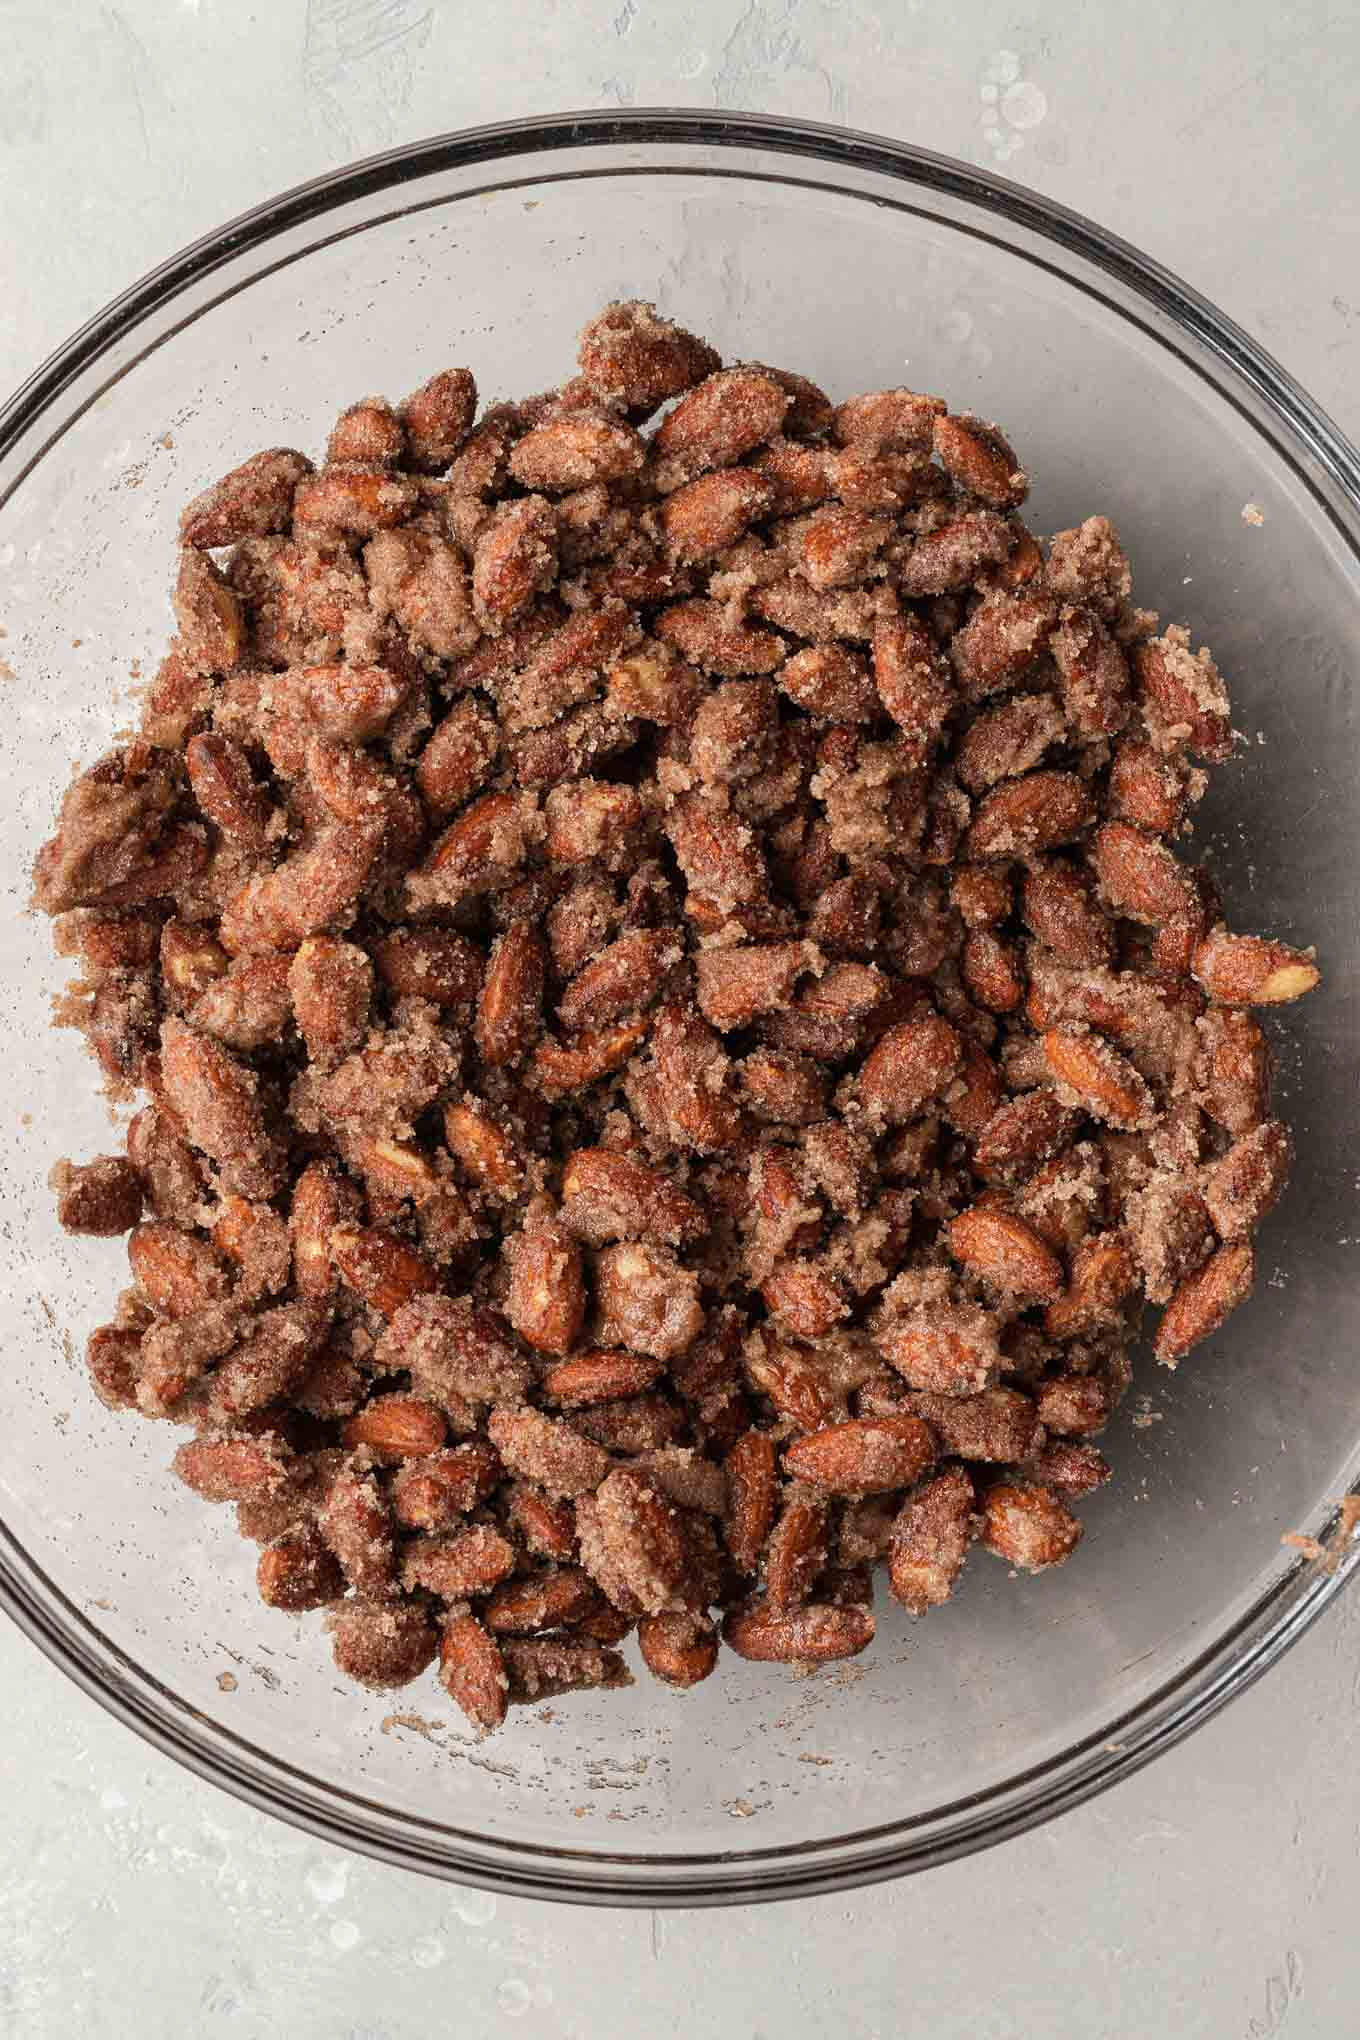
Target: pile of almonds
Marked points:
676	1039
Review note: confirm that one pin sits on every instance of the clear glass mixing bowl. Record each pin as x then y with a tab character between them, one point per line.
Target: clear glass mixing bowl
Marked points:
864	263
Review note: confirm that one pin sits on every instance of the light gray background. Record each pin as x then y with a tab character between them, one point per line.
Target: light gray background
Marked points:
1214	1895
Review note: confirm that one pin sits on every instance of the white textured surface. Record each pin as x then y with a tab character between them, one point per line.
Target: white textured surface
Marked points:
1212	1896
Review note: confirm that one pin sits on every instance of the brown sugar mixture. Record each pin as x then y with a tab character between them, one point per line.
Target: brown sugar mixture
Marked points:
676	1039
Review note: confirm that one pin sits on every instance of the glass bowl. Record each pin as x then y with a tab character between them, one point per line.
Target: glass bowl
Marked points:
864	263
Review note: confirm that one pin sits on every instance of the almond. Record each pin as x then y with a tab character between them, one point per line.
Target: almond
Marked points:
225	789
930	1539
792	1384
560	1068
1036	812
1235	1069
511	1004
1103	1275
1099	1079
178	1272
796	1553
472	1671
546	1299
815	1634
607	1195
356	1522
1021	1135
469	1562
487	1152
1251	970
1244	1184
981	461
805	1298
912	679
380	1269
324	1203
751	1488
992	972
298	1573
1028	1526
1184	694
867	1456
625	976
599	1377
544	1601
233	1469
679	1647
706	516
573	451
1005	1252
255	499
547	1451
724	417
1204	1300
1141	878
397	1427
912	1064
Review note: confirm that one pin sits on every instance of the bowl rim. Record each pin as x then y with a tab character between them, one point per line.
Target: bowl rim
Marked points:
1237	1657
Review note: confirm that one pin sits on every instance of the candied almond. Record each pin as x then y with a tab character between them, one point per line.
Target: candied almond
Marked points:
707	515
1184	696
572	451
980	460
910	1065
546	1298
632	1544
438	417
896	420
815	1634
1028	1525
866	1456
472	1671
634	358
379	1267
1036	812
1007	1253
382	1644
1244	1184
396	1427
1203	1300
699	631
1103	1274
432	1491
647	1300
720	419
234	1467
1097	1077
1251	970
679	1647
610	1196
101	1198
930	1539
